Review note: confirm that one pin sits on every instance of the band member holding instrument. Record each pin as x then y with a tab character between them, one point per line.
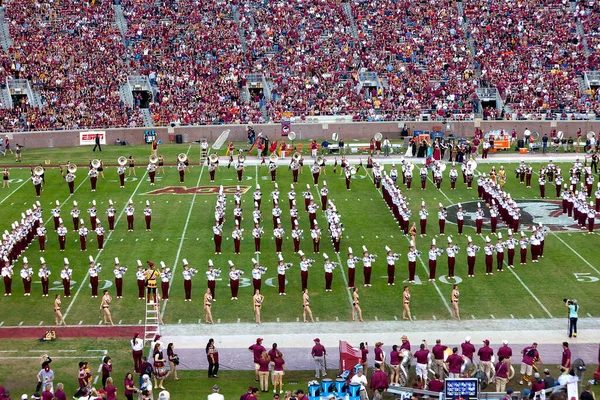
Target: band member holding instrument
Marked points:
65	275
62	234
488	249
119	272
58	317
356	306
234	280
454	300
56	215
208	299
129	210
279	234
442	214
41	234
329	267
348	174
37	184
406	304
281	268
391	259
295	165
239	168
121	173
26	273
131	166
94	271
211	276
367	261
69	177
471	251
83	232
434	253
213	163
148	216
296	236
44	273
412	261
523	248
75	215
315	234
188	274
181	169
105	307
306	306
451	251
304	265
351	262
93	212
7	274
140	276
315	170
236	235
93	174
151	168
423	213
257	301
531	356
99	234
110	212
165	280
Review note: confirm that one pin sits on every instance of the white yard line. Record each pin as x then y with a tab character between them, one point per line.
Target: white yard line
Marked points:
84	281
576	253
185	227
13	192
422	263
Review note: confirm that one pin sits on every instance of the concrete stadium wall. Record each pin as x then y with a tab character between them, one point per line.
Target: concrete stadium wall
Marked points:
349	131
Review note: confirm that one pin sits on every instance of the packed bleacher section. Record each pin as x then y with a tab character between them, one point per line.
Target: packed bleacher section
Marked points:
74	57
311	53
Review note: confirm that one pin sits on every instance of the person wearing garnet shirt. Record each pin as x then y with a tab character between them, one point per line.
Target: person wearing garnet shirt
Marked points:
502	370
257	350
59	393
436	385
485	354
538	383
422	356
467	348
438	356
454	362
405	343
566	356
379	379
506	352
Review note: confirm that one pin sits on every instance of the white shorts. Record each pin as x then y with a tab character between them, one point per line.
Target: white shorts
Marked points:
422	370
256	366
279	373
526	369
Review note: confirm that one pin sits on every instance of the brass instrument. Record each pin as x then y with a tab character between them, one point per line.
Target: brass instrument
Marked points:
153	159
411	167
442	166
241	158
560	135
213	158
39	171
335	136
292	135
319	160
378	136
535	135
181	157
296	156
273	158
122	161
72	168
95	163
591	135
472	165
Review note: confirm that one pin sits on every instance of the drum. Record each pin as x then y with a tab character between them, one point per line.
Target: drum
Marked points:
326	387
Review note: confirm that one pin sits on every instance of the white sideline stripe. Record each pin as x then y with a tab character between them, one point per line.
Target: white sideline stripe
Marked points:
187	222
576	253
84	280
13	192
421	262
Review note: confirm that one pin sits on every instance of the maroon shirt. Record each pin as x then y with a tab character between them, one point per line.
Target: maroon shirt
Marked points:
111	392
468	350
106	369
130	383
363	355
405	346
485	353
436	385
257	349
421	356
272	354
379	379
378	355
502	370
566	358
278	364
537	385
263	365
505	352
143	367
394	357
318	350
60	395
47	395
454	363
438	351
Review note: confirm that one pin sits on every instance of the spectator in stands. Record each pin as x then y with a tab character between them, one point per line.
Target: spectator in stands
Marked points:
548	379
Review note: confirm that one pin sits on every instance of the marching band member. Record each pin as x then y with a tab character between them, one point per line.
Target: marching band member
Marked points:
493	217
212	168
469	175
165	280
348	174
218	236
257	273
7	274
316	170
276	213
41	234
329	267
442	214
535	245
480	184
93	174
119	272
523	248
412	261
558	182
257	300
43	274
454	299
408	175
275	195
83	232
312	213
304	265
257	233
453	176
308	197
281	267
151	168
278	233
62	235
488	249
528	173
99	234
110	212
92	213
315	234
140	275
70	179
94	270
479	218
273	170
58	317
26	273
237	213
239	168
151	275
377	175
256	214
296	236
471	251
234	280
306	306
75	215
451	251
211	276
511	244
208	299
351	262
499	248
66	275
148	216
257	196
291	195
324	193
105	307
37	184
460	218
542	183
129	210
406	304
181	168
391	265
591	216
367	261
188	274
423	213
434	253
56	215
121	173
597	195
295	165
356	305
423	175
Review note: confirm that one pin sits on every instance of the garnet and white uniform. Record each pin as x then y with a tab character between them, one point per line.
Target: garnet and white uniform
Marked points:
41	234
44	274
62	237
129	210
315	234
296	236
329	267
278	233
119	272
65	275
121	173
451	251
94	271
236	235
110	212
165	279
83	232
75	215
93	212
7	273
148	218
218	238
211	276
423	213
140	276
188	274
26	273
234	282
151	168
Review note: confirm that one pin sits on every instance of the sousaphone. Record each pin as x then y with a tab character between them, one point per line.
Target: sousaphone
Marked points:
122	161
335	136
181	157
560	135
442	166
296	156
378	136
591	135
72	168
95	164
39	171
213	158
273	157
472	165
292	135
153	159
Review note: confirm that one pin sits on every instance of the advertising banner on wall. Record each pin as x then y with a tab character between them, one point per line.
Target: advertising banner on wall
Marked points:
89	137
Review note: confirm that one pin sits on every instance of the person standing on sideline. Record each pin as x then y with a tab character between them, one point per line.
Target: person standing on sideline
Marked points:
173	360
212	355
573	307
257	350
137	350
215	395
97	143
438	357
485	355
566	356
319	353
502	371
379	379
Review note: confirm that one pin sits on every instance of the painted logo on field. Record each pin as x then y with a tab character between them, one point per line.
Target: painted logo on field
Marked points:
208	190
549	213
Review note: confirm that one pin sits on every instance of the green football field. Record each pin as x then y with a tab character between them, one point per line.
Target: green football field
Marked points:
182	228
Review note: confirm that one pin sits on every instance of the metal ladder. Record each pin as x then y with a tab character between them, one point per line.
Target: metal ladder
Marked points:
151	324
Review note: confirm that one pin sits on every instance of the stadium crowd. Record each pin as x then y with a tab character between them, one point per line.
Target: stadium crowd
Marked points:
198	56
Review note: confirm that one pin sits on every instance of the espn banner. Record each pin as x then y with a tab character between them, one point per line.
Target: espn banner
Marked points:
89	137
286	126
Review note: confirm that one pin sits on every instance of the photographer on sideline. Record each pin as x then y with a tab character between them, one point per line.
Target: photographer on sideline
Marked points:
573	315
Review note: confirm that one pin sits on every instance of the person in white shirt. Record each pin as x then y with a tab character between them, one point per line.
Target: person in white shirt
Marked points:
215	395
361	379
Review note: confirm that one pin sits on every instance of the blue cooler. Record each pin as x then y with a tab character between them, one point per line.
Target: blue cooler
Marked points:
339	386
326	387
354	391
313	391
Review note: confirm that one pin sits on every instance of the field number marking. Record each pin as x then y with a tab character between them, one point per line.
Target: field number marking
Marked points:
585	277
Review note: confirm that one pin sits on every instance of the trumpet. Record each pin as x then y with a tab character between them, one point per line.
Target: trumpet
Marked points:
310	261
95	163
39	171
439	252
476	248
153	159
217	272
193	271
122	161
287	265
262	269
181	157
72	168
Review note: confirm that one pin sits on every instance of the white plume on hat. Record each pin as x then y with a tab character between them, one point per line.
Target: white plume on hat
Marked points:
81	221
210	263
238	187
139	263
441	205
66	261
130	201
487	239
296	222
522	233
499	235
110	202
185	262
278	220
325	256
162	264
478	205
230	263
116	260
42	261
349	250
433	242
23	215
91	259
147	202
37	202
280	257
25	261
257	186
97	221
254	261
324	183
276	185
364	248
57	203
422	203
509	232
533	228
93	202
459	205
300	253
412	243
60	221
75	203
307	186
469	239
387	248
449	239
292	186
